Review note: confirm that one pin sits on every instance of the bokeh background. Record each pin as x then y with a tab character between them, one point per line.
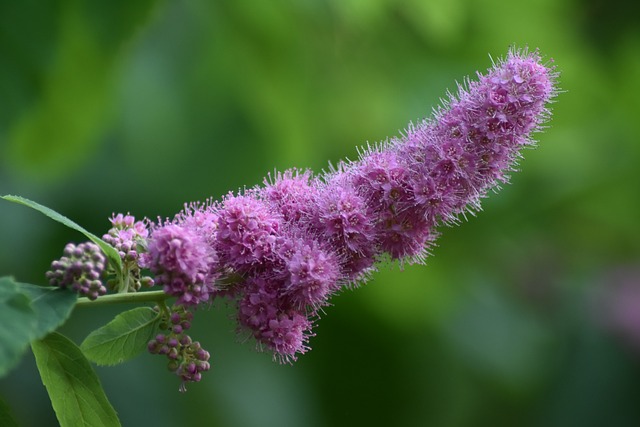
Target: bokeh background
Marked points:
526	315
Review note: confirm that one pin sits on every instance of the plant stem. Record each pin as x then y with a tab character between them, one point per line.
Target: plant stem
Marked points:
131	297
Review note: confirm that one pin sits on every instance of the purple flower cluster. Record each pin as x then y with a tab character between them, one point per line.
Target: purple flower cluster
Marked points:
187	358
80	269
281	251
182	259
128	237
126	234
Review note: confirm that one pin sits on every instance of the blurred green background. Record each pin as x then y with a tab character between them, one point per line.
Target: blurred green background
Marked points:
526	315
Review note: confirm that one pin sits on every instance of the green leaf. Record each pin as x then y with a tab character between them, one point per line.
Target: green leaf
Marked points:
109	250
74	388
123	338
6	417
28	312
17	323
52	305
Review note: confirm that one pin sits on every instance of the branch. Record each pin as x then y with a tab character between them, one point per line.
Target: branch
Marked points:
131	297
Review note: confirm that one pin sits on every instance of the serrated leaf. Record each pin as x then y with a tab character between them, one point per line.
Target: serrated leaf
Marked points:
123	338
17	323
52	305
110	252
75	391
28	312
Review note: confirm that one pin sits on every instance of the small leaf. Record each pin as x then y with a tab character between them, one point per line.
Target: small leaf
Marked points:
6	417
123	338
75	391
17	323
111	253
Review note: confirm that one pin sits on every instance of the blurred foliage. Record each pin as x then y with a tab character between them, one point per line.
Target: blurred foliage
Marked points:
141	106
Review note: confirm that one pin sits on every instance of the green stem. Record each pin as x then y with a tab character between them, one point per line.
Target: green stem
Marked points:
131	297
